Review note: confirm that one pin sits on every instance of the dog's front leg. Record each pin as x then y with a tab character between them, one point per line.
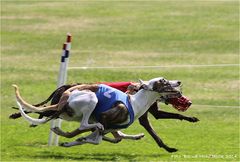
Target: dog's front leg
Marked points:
145	123
111	140
121	135
118	136
168	115
159	114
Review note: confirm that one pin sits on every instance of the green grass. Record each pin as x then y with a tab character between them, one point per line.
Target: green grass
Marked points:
115	33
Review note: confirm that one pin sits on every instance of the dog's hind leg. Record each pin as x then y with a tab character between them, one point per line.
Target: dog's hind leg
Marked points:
83	103
94	138
71	134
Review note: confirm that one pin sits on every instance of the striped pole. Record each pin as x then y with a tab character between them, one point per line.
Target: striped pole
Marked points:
62	77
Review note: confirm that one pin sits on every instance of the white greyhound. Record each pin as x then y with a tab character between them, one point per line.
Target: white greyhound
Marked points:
84	100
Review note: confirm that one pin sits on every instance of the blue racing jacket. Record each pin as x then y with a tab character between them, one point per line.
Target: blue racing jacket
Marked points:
107	97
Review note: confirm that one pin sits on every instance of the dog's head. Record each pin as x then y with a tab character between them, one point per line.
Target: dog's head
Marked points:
169	90
166	88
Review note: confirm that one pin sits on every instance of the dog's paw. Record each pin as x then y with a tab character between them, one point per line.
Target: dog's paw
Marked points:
139	136
82	139
56	130
99	126
64	144
171	149
193	119
117	140
15	116
32	125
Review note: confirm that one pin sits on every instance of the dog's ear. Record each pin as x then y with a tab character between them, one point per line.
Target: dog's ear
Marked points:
141	81
142	84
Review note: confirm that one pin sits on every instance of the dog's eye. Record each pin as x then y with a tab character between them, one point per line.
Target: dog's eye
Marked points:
162	80
165	82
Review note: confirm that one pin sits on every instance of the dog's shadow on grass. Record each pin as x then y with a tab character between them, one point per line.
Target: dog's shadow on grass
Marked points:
90	157
55	154
94	156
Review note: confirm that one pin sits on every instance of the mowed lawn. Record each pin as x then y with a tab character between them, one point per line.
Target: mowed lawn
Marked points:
106	33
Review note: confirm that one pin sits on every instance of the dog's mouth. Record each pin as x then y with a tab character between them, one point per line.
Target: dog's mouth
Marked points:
181	103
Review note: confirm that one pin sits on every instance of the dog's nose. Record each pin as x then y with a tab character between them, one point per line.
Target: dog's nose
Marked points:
179	82
189	103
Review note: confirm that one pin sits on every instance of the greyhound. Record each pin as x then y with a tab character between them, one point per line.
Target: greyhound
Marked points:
82	100
178	103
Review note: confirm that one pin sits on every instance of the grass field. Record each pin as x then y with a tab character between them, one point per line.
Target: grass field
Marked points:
115	33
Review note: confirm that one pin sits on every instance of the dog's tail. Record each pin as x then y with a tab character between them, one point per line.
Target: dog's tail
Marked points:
47	100
29	106
56	94
33	121
15	115
55	97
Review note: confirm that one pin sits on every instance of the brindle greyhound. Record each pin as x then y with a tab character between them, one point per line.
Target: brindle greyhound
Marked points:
144	121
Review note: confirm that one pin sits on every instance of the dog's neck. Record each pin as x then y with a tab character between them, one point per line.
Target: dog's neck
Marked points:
141	101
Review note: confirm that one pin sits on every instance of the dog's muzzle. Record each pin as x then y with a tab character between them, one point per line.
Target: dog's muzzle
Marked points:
181	103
